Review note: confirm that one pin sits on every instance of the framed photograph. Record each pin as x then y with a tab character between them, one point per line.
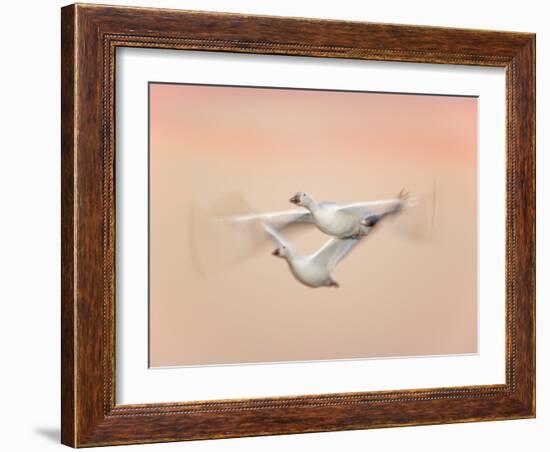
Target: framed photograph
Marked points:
281	225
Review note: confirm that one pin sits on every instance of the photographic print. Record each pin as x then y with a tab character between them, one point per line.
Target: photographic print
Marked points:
301	225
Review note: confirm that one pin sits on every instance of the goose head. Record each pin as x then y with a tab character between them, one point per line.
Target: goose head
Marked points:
281	251
302	199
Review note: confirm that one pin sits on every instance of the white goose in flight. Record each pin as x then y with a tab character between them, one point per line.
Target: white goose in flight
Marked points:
314	270
337	220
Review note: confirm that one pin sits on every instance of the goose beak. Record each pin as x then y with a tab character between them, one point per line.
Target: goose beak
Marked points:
276	252
295	199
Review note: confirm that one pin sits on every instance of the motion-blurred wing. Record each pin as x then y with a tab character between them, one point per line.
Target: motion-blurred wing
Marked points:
275	236
370	208
277	219
334	250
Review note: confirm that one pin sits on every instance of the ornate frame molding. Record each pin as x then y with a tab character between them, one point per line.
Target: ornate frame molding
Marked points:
90	37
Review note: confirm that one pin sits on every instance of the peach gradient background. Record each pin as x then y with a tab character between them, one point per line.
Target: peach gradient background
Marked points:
213	147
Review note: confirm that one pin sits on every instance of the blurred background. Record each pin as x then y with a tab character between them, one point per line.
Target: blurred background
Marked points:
229	150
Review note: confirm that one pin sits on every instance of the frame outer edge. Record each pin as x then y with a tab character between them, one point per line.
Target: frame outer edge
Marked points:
534	230
526	135
86	419
68	242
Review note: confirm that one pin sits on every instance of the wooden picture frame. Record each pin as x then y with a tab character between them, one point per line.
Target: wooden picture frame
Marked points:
90	36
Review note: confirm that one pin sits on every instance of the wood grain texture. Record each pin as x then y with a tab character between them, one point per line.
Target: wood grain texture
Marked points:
90	36
68	311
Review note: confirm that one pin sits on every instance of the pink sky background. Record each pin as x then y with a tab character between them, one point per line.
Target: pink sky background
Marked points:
398	296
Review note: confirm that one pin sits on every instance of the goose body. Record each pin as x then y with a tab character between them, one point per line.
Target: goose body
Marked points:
313	270
310	272
334	221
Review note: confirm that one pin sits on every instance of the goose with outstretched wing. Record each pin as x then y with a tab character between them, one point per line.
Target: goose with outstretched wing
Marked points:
337	220
313	270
